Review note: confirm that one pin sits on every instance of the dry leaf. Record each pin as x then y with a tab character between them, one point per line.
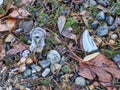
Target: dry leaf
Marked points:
2	51
17	48
67	33
61	23
8	24
27	2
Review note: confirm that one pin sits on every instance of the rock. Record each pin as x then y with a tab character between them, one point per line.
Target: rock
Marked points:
109	20
116	58
32	66
111	42
102	31
38	39
38	68
1	88
80	81
95	24
26	53
19	30
63	60
92	2
53	56
45	72
33	71
114	36
55	67
100	16
118	21
113	27
9	38
44	63
103	2
27	73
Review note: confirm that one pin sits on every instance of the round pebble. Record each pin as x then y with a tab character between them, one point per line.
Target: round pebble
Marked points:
92	2
45	72
109	20
100	16
27	73
113	27
102	31
38	68
80	81
114	36
44	63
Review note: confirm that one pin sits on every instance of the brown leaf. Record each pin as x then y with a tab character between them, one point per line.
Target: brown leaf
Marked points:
2	52
17	48
67	33
61	22
8	24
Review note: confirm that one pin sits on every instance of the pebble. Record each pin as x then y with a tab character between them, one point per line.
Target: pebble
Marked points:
118	21
53	56
114	36
55	67
27	73
113	27
1	88
103	2
44	63
102	31
100	16
46	72
33	71
19	30
26	53
109	20
116	58
38	68
80	81
95	24
92	2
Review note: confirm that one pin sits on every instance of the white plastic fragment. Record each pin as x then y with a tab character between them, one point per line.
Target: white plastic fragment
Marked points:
38	39
88	43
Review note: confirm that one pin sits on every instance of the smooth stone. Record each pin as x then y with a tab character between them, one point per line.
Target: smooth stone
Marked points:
102	31
32	66
116	58
26	53
55	67
44	63
109	20
38	68
103	2
92	2
100	16
19	30
27	73
118	21
95	24
114	36
46	72
113	27
33	71
80	81
53	56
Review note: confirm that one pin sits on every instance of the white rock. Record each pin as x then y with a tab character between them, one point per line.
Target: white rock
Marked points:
45	72
38	68
80	81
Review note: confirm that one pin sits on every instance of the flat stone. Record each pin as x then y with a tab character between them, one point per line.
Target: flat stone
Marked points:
80	81
109	20
27	73
102	31
44	63
103	2
114	36
45	72
100	16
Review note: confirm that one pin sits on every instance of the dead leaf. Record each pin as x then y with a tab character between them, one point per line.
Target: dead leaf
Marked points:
102	68
8	24
17	48
27	2
2	52
61	23
67	33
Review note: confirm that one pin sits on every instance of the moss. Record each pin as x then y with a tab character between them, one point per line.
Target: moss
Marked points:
2	11
46	82
65	69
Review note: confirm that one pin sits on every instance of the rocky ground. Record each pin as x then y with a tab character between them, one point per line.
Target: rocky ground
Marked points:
59	45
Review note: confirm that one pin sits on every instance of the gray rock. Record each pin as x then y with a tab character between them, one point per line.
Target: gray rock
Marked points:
63	60
44	63
95	24
33	71
118	21
109	20
55	67
92	2
100	16
53	56
32	66
102	31
116	58
26	53
113	27
38	68
80	81
1	88
27	73
45	72
114	36
103	2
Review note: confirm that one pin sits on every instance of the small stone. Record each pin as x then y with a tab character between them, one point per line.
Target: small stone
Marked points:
9	38
118	21
80	81
113	27
38	68
114	36
116	58
103	2
109	20
26	53
55	67
1	88
95	24
32	66
92	2
44	63
102	31
111	42
100	16
33	71
19	30
53	56
45	72
27	73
